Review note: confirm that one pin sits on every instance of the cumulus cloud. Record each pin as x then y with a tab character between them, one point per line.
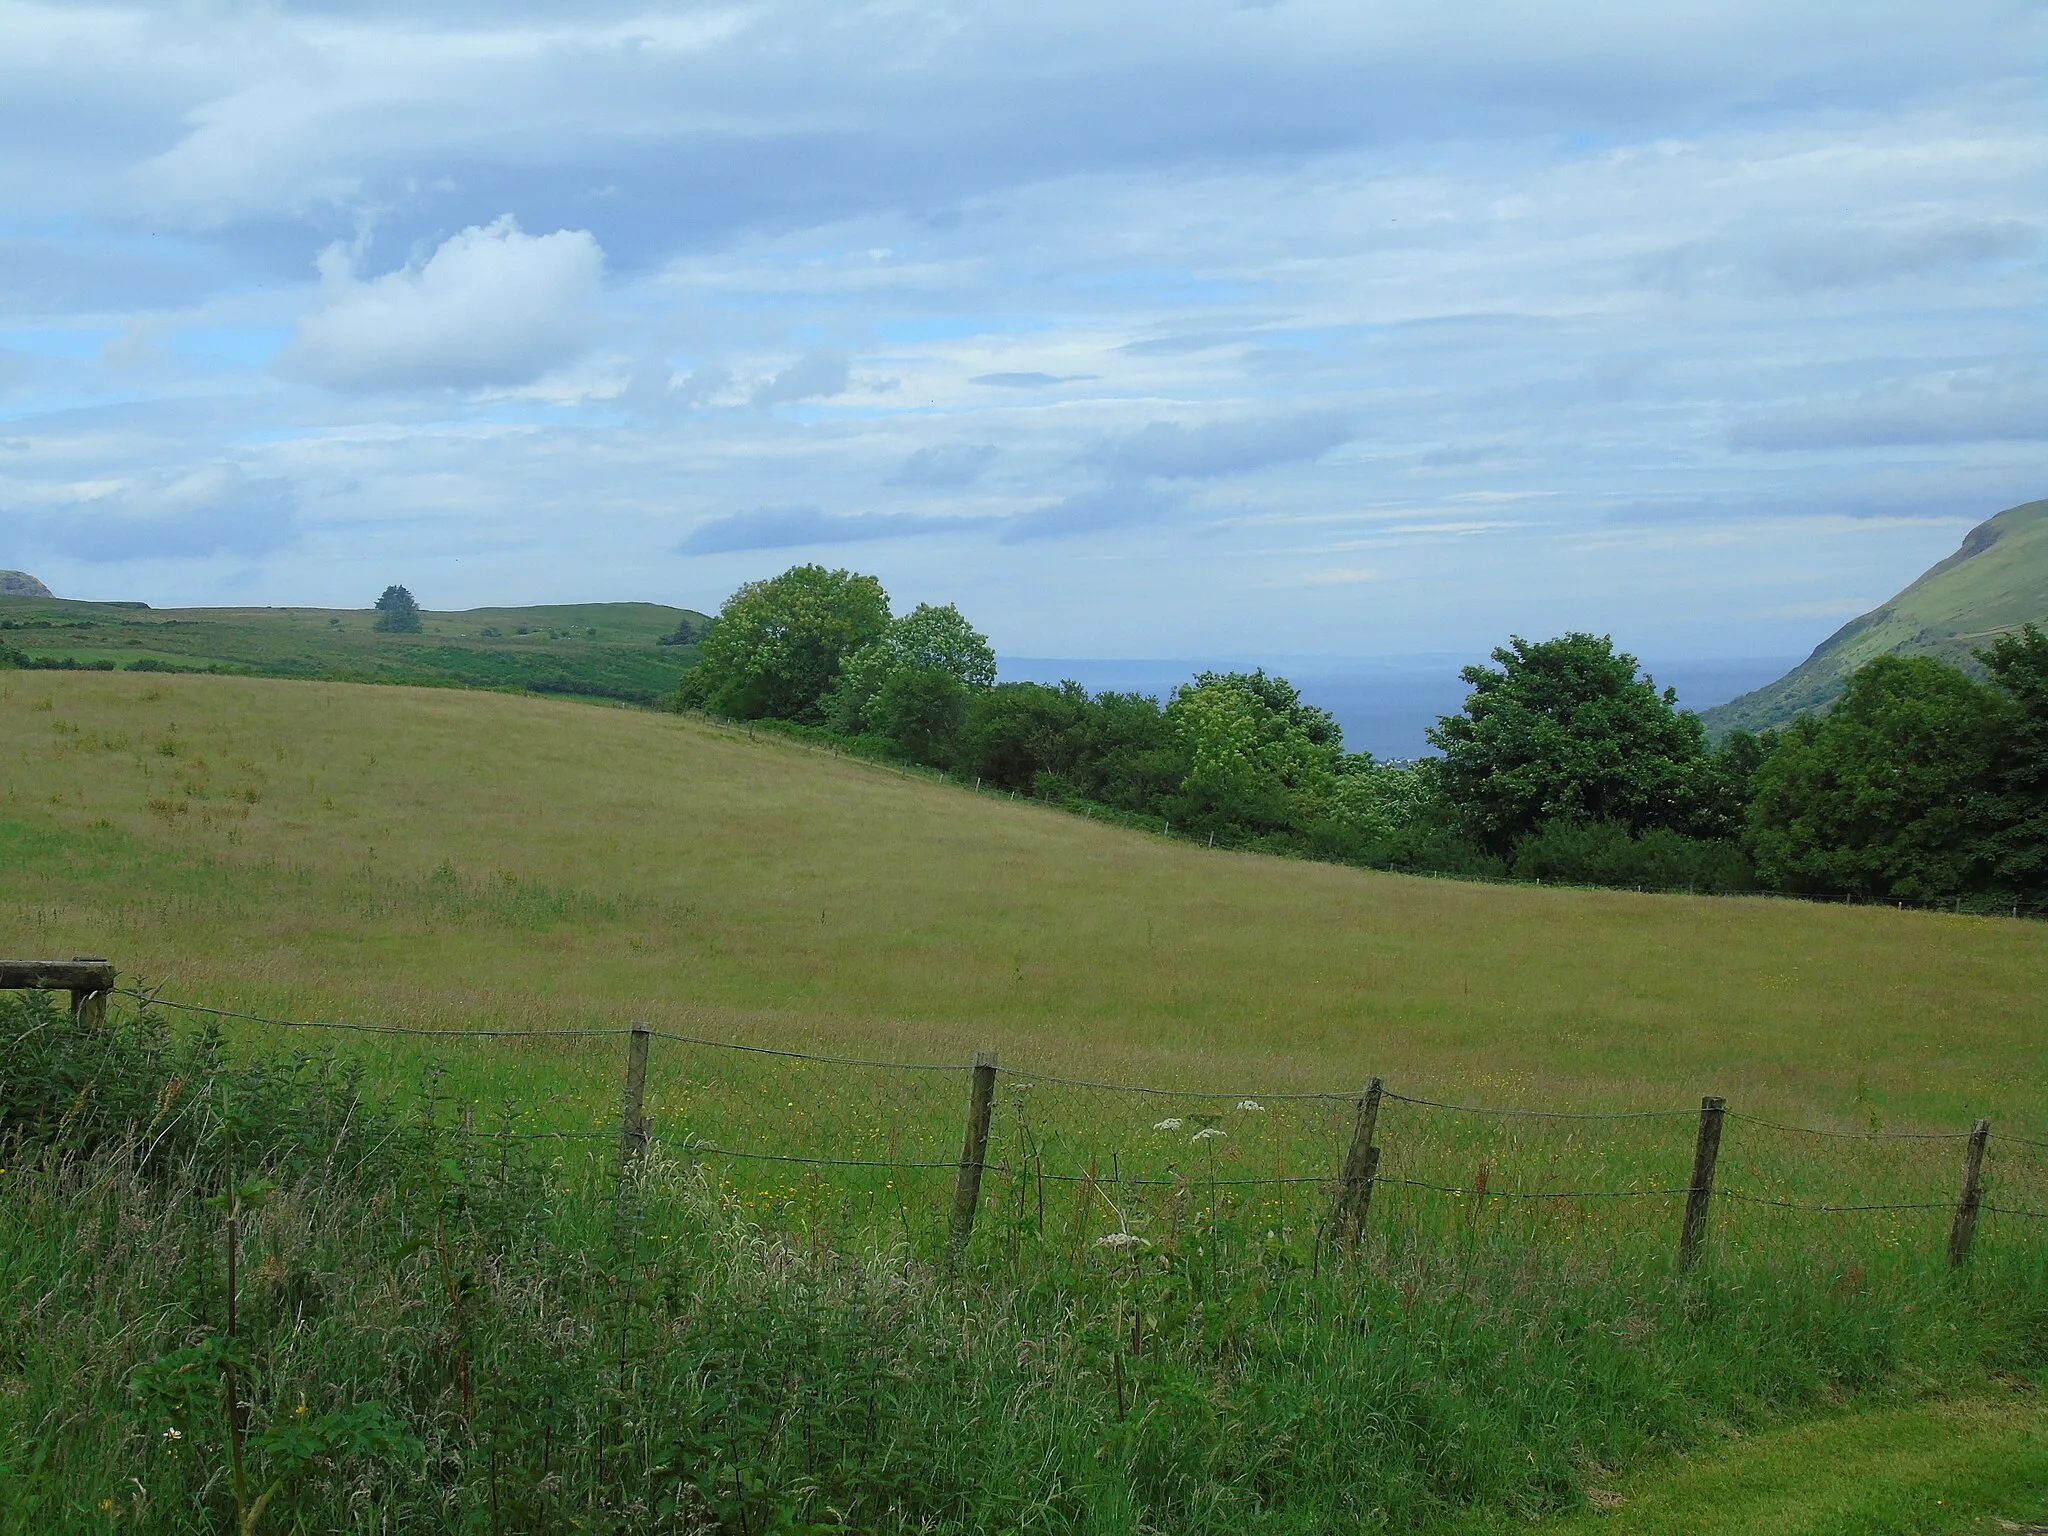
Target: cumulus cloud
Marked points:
947	466
789	527
814	376
1169	451
216	509
491	306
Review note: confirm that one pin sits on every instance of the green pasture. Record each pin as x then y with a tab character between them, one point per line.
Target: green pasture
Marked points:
449	861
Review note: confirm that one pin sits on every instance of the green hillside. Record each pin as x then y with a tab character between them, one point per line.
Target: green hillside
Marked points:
1996	582
594	650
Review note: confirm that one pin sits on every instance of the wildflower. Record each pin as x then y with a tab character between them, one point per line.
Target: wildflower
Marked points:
1168	1125
172	1434
1120	1241
1207	1131
105	1505
1252	1105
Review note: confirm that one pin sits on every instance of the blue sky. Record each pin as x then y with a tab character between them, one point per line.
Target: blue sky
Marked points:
1139	330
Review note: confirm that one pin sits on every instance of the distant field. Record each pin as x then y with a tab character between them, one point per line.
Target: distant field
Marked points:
595	650
473	858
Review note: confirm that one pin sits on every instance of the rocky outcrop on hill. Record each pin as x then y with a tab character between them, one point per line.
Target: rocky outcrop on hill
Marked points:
21	584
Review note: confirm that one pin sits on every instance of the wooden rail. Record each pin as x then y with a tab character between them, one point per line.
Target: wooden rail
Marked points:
87	978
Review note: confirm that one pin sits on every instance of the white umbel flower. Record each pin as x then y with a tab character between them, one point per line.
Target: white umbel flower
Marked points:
1168	1125
1207	1131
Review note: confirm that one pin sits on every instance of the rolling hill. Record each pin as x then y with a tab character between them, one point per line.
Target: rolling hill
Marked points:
1996	582
590	650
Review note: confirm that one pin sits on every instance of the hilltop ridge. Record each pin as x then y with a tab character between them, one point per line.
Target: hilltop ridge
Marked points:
1996	582
631	652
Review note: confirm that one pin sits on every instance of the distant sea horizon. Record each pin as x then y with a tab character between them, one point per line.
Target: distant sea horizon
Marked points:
1384	704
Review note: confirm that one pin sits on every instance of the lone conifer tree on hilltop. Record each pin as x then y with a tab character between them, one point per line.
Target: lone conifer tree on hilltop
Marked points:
397	613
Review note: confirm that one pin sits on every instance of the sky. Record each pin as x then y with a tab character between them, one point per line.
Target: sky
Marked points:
1147	330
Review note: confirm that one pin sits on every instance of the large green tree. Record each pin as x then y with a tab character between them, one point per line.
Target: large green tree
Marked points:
1894	792
1565	730
934	640
777	645
1259	760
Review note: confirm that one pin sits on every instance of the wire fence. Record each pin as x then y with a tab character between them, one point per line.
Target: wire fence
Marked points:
1074	1160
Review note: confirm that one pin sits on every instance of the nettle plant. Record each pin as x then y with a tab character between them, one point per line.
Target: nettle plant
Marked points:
204	1398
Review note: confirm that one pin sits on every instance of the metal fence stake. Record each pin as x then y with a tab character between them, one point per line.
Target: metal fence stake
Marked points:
1964	1227
973	1152
1699	1197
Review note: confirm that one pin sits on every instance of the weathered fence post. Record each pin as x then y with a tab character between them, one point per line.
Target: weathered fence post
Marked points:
1361	1166
973	1152
632	1114
1964	1227
89	1003
1700	1196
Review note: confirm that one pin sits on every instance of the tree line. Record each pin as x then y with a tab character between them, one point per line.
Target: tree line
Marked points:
1566	763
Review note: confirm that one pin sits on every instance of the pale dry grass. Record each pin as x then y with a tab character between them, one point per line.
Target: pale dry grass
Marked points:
472	859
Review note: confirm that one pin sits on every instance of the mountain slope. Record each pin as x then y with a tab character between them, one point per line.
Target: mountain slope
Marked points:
1996	582
598	650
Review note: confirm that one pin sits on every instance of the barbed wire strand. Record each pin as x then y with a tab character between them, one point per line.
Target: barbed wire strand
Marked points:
1068	1082
830	1061
1543	1114
1800	1205
1809	1130
374	1029
1173	1093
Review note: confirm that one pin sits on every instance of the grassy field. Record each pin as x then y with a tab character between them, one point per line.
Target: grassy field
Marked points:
592	650
462	860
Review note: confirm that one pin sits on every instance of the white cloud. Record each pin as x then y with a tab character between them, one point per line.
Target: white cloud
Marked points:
492	306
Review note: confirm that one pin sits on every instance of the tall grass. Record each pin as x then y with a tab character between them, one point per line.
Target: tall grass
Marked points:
443	1323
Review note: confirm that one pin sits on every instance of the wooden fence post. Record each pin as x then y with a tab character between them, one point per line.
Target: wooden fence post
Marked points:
973	1152
1692	1237
632	1114
89	1004
1361	1166
1964	1227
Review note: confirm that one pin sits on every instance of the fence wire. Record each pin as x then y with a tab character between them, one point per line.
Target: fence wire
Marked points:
822	1138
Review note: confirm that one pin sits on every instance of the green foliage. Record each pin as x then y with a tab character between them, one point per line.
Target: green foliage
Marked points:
1891	793
777	645
1564	730
1259	761
912	684
1604	853
397	613
2017	845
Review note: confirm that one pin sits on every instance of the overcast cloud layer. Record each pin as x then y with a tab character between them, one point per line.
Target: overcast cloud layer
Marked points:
1155	329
